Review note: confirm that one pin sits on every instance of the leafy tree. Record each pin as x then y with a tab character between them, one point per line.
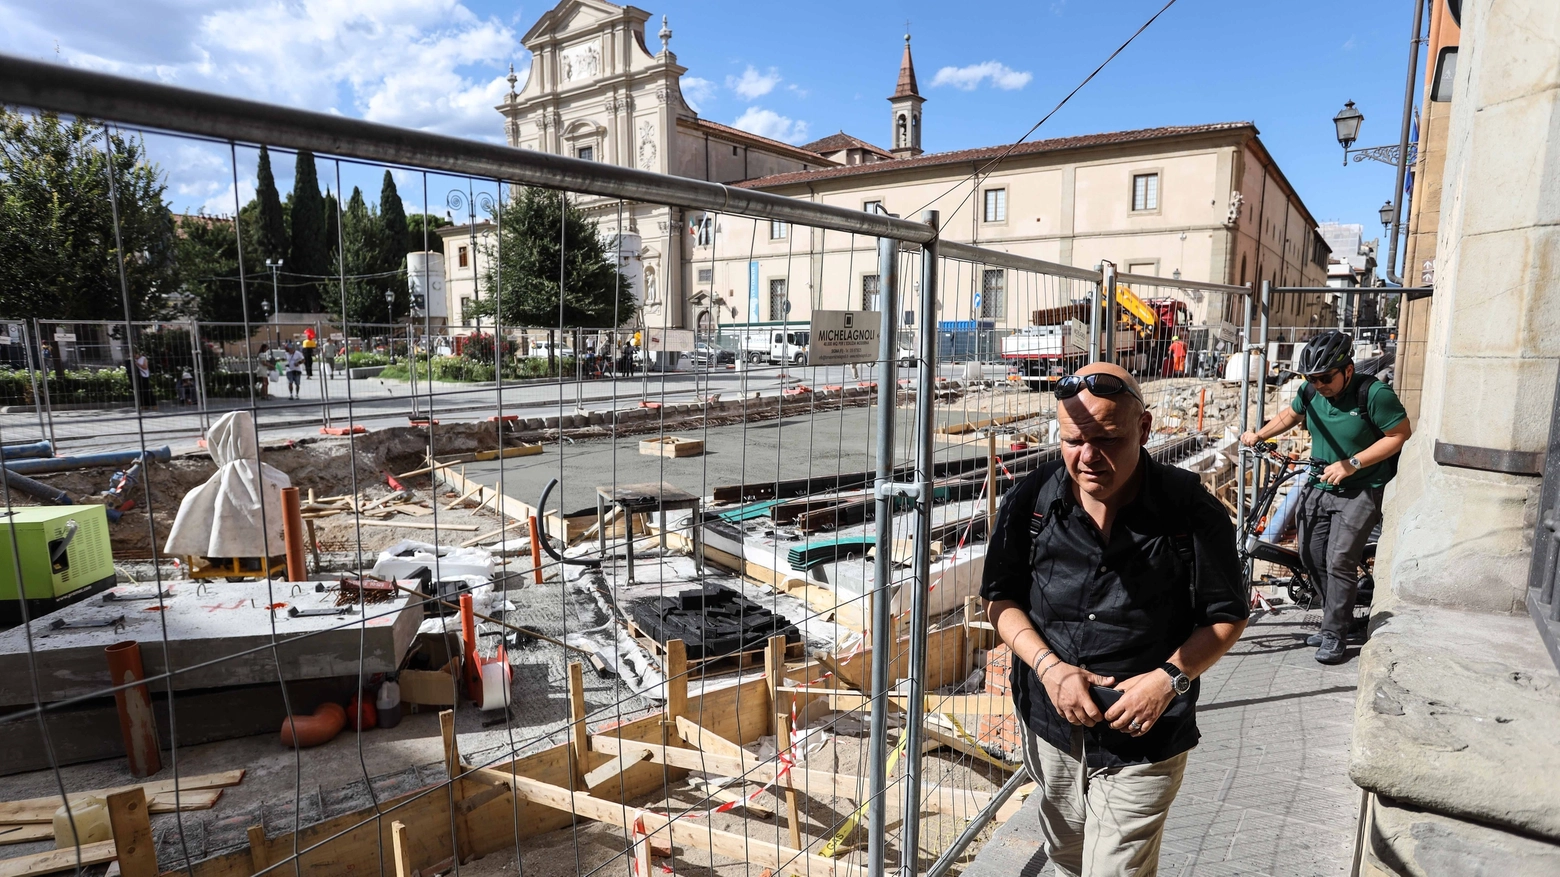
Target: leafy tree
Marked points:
58	252
595	293
414	232
207	250
363	235
269	240
310	250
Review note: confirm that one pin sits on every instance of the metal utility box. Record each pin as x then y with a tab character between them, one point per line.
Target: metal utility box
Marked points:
52	577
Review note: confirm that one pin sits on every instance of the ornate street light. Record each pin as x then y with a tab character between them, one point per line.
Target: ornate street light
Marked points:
1388	213
1348	124
470	201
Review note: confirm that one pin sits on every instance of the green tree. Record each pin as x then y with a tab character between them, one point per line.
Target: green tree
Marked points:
207	250
521	285
362	236
392	239
332	241
58	251
310	250
415	223
269	240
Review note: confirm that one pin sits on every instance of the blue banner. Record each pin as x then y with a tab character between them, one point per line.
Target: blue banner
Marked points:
753	306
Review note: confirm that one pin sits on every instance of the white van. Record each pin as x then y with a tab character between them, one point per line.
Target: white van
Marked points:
788	347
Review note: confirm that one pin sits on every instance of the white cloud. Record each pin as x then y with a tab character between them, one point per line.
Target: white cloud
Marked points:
768	123
969	78
752	84
797	90
430	64
696	91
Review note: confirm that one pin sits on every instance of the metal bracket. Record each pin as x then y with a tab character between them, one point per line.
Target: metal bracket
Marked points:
916	490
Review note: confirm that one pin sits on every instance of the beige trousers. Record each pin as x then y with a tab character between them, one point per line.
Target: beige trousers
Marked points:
1101	823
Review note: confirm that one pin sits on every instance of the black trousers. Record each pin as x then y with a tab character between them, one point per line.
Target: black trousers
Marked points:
1334	527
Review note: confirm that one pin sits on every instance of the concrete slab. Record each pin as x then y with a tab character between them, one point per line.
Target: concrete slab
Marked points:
226	634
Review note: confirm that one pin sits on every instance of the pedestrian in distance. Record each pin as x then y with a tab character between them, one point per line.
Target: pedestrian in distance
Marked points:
309	344
1115	582
1358	427
294	371
141	372
264	372
184	389
332	350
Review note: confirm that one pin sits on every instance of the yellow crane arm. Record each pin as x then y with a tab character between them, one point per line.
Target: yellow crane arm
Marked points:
1134	306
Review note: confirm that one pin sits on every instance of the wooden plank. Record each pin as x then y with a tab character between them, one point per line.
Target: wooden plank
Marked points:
708	741
486	536
57	860
580	735
36	810
958	704
401	849
465	496
813	782
557	526
676	665
1010	808
612	769
689	832
258	853
774	675
453	769
962	803
521	450
132	828
152	789
26	832
419	525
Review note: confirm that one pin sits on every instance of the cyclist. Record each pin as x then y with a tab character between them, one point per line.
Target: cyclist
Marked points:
1357	427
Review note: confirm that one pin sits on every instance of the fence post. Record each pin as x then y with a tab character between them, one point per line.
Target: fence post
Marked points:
1094	317
1245	424
883	567
1262	335
201	395
32	375
921	558
47	407
1108	282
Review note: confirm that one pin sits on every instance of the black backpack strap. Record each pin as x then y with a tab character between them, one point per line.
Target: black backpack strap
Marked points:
1366	382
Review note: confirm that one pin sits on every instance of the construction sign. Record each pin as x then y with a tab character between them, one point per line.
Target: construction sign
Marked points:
843	337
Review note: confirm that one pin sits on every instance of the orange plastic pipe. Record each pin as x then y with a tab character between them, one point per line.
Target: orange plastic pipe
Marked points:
1202	402
313	730
292	535
136	720
536	548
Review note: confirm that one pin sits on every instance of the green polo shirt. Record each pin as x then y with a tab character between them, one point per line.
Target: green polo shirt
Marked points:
1338	432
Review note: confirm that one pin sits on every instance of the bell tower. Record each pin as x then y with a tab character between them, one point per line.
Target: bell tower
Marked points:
906	110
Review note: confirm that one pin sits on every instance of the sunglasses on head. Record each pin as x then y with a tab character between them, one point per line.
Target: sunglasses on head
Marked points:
1101	385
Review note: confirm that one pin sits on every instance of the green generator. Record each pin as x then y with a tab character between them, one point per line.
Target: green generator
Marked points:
65	557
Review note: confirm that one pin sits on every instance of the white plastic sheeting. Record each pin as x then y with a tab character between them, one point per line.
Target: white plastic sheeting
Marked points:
403	558
223	517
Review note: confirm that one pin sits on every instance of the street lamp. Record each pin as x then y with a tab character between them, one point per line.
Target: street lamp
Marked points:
1388	213
390	322
276	303
265	310
1348	124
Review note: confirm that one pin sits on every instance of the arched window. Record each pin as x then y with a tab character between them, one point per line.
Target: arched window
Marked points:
900	136
915	129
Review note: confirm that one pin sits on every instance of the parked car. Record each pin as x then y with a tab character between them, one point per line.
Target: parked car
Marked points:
705	355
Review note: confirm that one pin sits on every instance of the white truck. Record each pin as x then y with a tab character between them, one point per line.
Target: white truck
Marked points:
1042	354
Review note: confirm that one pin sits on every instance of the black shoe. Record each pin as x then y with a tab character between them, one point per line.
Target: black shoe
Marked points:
1313	640
1331	650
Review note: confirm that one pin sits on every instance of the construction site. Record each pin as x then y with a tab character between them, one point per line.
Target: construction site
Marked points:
724	621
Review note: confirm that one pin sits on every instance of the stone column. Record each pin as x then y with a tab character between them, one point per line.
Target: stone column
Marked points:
1458	536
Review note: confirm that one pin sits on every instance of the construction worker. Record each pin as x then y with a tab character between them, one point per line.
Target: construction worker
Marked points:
1357	427
1177	357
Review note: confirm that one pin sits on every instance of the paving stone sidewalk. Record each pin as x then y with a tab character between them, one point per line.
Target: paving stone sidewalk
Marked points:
1267	790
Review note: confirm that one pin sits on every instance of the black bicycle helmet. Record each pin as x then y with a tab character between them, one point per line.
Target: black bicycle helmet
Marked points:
1326	352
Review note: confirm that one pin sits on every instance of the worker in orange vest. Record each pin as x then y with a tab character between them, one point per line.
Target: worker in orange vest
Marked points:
1177	357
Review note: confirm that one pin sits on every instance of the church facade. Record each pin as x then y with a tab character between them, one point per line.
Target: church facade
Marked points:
1196	202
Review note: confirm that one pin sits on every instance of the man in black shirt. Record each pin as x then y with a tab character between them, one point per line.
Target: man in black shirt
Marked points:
1114	580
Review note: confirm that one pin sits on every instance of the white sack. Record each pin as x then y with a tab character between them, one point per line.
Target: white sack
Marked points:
222	518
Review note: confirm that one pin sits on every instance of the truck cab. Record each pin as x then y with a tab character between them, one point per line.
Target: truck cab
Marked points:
788	346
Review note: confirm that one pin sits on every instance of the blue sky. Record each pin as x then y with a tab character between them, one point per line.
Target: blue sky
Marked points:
797	71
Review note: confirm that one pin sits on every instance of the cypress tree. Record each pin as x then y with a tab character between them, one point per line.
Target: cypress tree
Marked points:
330	290
392	213
270	230
363	241
310	249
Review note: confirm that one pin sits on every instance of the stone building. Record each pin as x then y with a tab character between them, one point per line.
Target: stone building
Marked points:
1455	736
1200	202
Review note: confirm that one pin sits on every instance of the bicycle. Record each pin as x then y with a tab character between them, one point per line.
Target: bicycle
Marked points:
1298	584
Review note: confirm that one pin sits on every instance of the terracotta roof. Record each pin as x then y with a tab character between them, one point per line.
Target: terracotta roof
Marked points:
726	131
906	86
836	142
986	153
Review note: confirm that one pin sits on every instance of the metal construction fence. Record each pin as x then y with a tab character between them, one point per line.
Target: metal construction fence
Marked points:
739	615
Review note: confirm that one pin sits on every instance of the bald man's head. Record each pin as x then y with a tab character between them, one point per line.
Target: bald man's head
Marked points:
1109	368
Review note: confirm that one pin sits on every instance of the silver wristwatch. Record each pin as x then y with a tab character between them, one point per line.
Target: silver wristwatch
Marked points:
1180	683
1355	462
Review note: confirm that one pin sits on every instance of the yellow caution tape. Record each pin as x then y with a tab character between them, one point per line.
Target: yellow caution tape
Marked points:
979	750
836	844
